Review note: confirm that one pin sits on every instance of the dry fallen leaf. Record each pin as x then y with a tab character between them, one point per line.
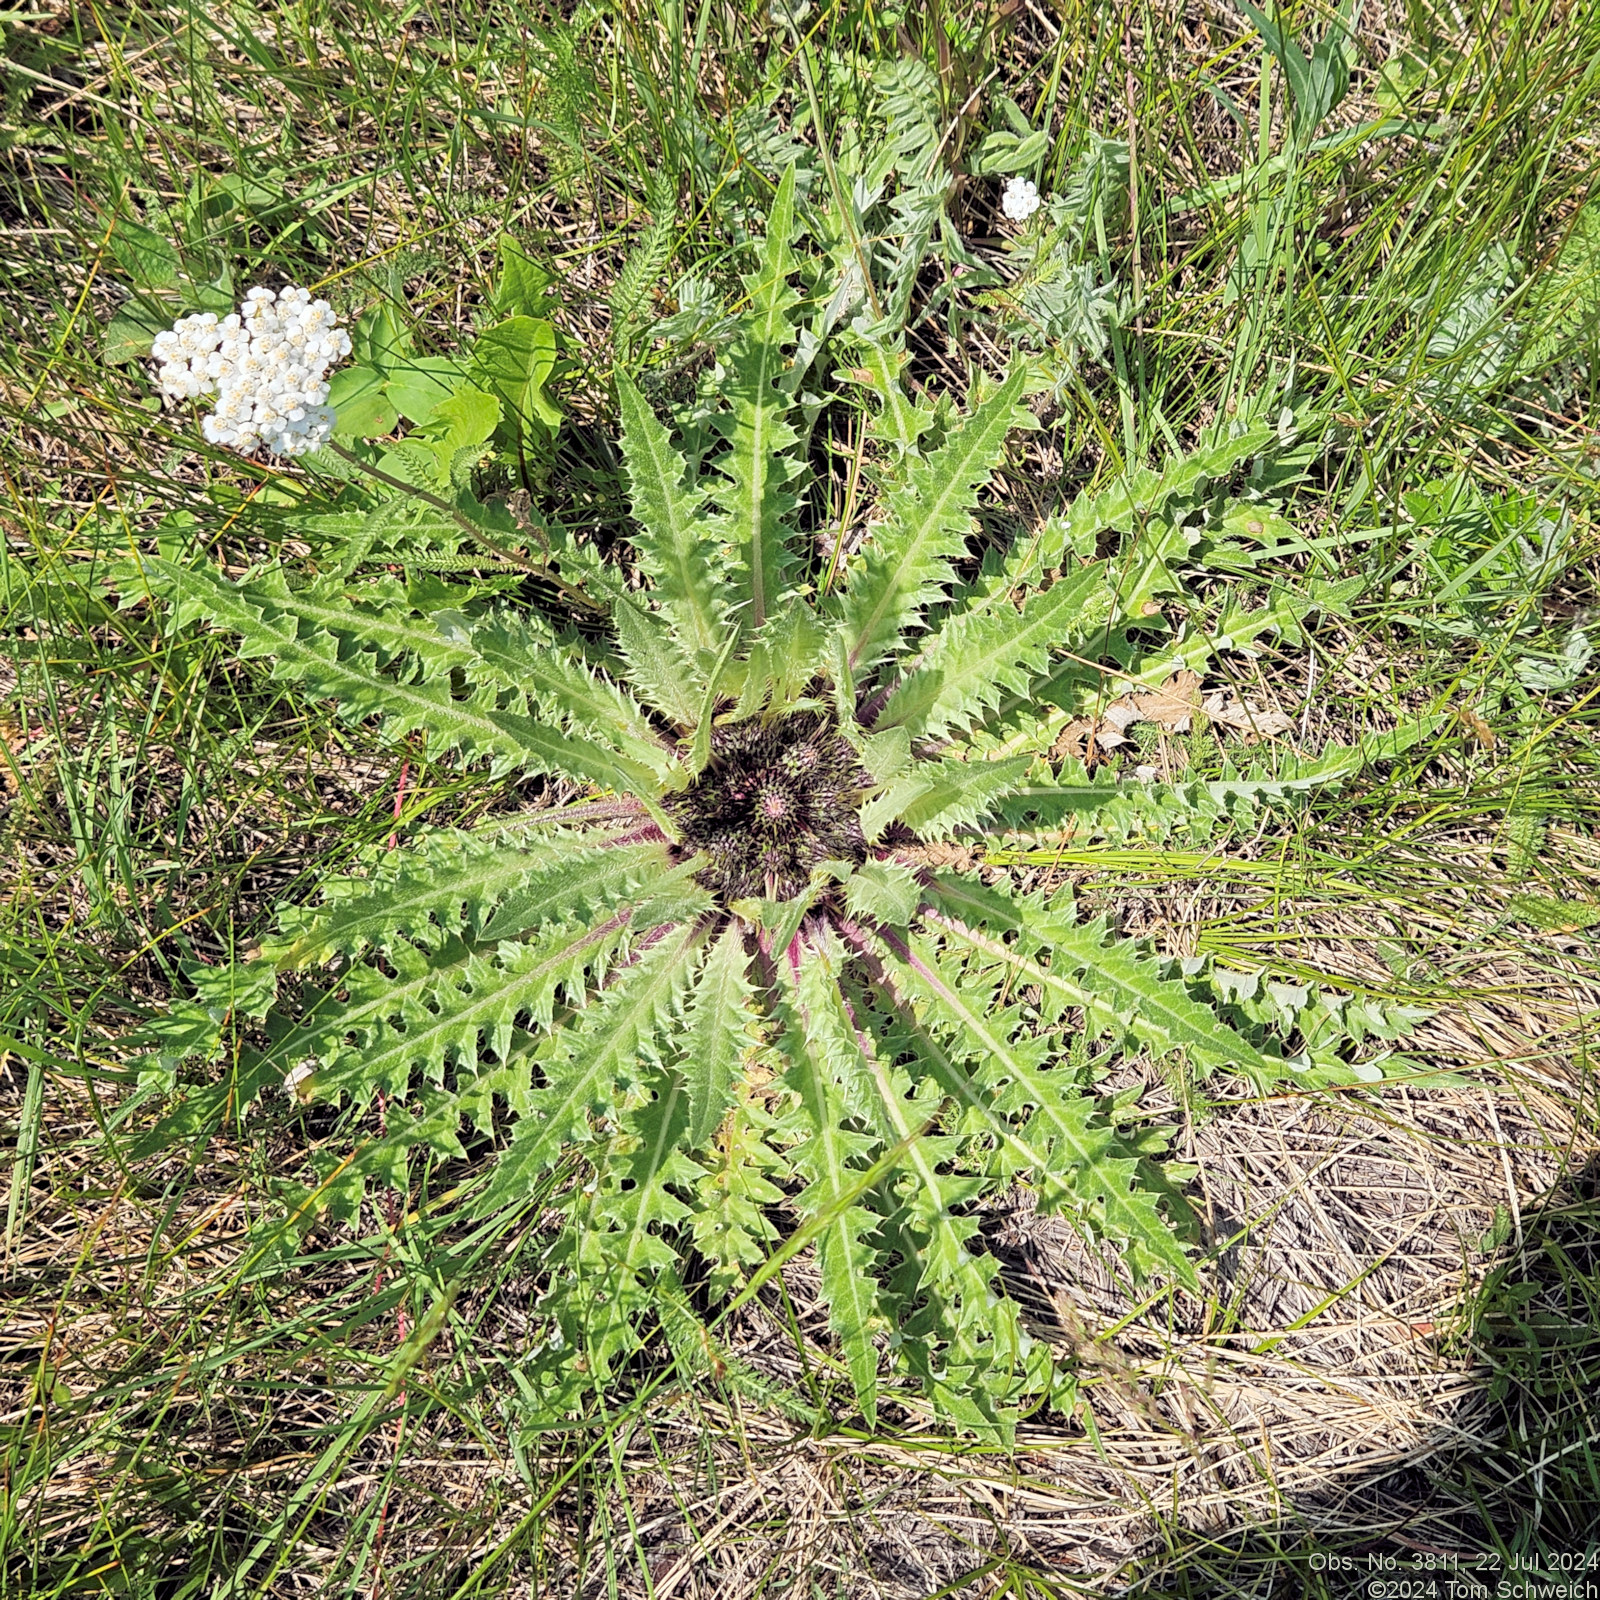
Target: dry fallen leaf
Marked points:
1172	707
11	738
18	749
1243	717
1173	704
1079	741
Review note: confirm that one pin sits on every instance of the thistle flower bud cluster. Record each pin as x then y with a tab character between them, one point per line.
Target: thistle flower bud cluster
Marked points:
1019	199
776	800
267	364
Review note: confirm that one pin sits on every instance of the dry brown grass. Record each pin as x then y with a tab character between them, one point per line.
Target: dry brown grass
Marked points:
1324	1381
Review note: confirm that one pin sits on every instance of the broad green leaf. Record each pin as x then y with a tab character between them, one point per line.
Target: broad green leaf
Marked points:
380	338
361	404
512	360
130	333
418	386
523	286
465	416
387	380
150	259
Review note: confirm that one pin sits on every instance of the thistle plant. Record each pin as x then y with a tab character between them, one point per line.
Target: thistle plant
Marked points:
742	982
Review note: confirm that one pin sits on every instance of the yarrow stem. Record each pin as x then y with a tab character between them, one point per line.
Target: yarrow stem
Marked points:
267	364
510	558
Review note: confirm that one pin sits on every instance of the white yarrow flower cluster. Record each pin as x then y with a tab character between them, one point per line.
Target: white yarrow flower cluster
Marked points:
1020	199
267	364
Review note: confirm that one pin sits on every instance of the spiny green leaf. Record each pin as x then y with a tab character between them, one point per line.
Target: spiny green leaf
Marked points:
730	1226
520	654
655	663
956	794
373	616
827	1156
883	891
791	650
1075	684
592	1061
755	498
474	727
638	1200
899	421
716	1035
700	745
1086	809
990	649
1139	495
965	1340
1068	1150
449	1010
594	877
907	562
451	883
1087	969
676	549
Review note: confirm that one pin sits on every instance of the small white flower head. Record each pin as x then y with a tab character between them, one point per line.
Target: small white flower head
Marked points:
1020	199
267	364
